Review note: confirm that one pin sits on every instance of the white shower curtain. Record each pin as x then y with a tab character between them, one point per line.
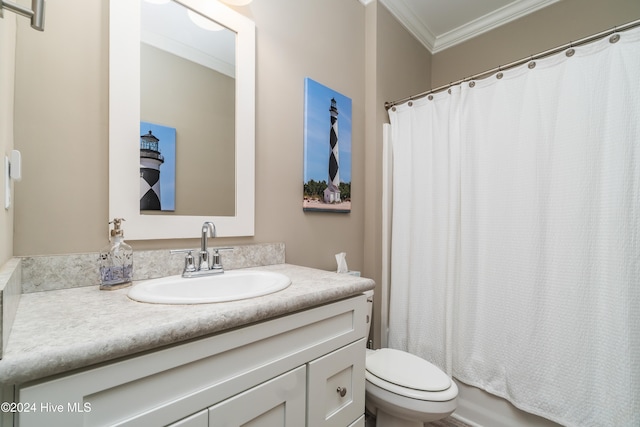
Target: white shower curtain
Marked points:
516	234
425	224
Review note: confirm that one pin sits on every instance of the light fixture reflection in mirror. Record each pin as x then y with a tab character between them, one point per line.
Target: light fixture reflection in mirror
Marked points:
124	129
202	22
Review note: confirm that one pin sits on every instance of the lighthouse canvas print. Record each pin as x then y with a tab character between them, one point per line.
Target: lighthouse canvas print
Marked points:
157	167
327	149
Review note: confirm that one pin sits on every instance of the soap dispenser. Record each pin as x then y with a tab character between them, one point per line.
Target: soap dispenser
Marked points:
116	260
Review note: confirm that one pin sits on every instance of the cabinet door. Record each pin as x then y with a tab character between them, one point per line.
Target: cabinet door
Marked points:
275	403
336	387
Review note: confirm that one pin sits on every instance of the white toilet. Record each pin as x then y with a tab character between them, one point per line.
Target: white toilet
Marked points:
403	390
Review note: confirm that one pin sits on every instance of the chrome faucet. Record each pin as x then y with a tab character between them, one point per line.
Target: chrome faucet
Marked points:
208	230
206	265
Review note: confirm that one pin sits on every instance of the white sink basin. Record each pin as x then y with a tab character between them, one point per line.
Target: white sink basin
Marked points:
228	286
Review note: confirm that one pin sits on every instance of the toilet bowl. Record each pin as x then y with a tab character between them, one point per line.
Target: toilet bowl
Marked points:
404	390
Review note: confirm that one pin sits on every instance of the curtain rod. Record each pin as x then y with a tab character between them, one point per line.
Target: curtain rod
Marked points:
513	64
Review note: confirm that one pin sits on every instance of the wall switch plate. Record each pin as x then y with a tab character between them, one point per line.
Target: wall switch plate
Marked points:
15	165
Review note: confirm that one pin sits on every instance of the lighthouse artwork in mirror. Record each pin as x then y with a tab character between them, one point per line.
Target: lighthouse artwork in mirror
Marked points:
150	162
157	167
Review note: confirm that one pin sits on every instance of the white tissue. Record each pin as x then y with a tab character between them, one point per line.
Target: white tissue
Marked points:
341	259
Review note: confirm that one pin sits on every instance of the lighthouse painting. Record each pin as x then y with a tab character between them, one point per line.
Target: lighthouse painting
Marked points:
157	167
327	150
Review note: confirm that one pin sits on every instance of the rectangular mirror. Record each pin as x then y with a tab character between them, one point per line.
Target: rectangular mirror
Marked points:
182	108
186	60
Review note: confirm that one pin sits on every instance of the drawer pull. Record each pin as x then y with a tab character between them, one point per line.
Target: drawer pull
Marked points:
342	391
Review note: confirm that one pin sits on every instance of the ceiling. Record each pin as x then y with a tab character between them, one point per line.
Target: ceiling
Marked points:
440	24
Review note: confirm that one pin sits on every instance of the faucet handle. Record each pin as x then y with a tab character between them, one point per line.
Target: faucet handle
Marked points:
215	261
189	262
181	251
215	258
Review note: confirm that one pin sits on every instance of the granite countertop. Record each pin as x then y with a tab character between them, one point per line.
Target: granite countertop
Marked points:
62	330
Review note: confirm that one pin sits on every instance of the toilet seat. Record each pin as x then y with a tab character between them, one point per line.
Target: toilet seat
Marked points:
407	375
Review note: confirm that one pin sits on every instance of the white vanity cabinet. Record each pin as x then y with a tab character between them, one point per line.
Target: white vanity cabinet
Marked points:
305	368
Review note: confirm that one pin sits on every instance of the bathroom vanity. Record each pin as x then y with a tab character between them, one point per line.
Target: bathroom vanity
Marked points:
291	358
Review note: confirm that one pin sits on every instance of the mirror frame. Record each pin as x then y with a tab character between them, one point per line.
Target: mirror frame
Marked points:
124	123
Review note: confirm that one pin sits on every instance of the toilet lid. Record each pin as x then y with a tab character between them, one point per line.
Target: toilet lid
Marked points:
406	370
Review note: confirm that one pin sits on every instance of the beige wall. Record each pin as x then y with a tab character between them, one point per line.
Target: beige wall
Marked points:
62	119
62	102
61	128
553	26
323	40
61	115
7	65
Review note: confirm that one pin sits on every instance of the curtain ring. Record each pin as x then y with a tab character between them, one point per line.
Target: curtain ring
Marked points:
571	51
615	37
410	103
499	75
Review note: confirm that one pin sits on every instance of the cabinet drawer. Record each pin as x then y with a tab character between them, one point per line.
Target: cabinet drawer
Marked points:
335	387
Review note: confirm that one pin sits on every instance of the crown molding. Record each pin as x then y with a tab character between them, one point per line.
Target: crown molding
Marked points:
411	22
488	22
